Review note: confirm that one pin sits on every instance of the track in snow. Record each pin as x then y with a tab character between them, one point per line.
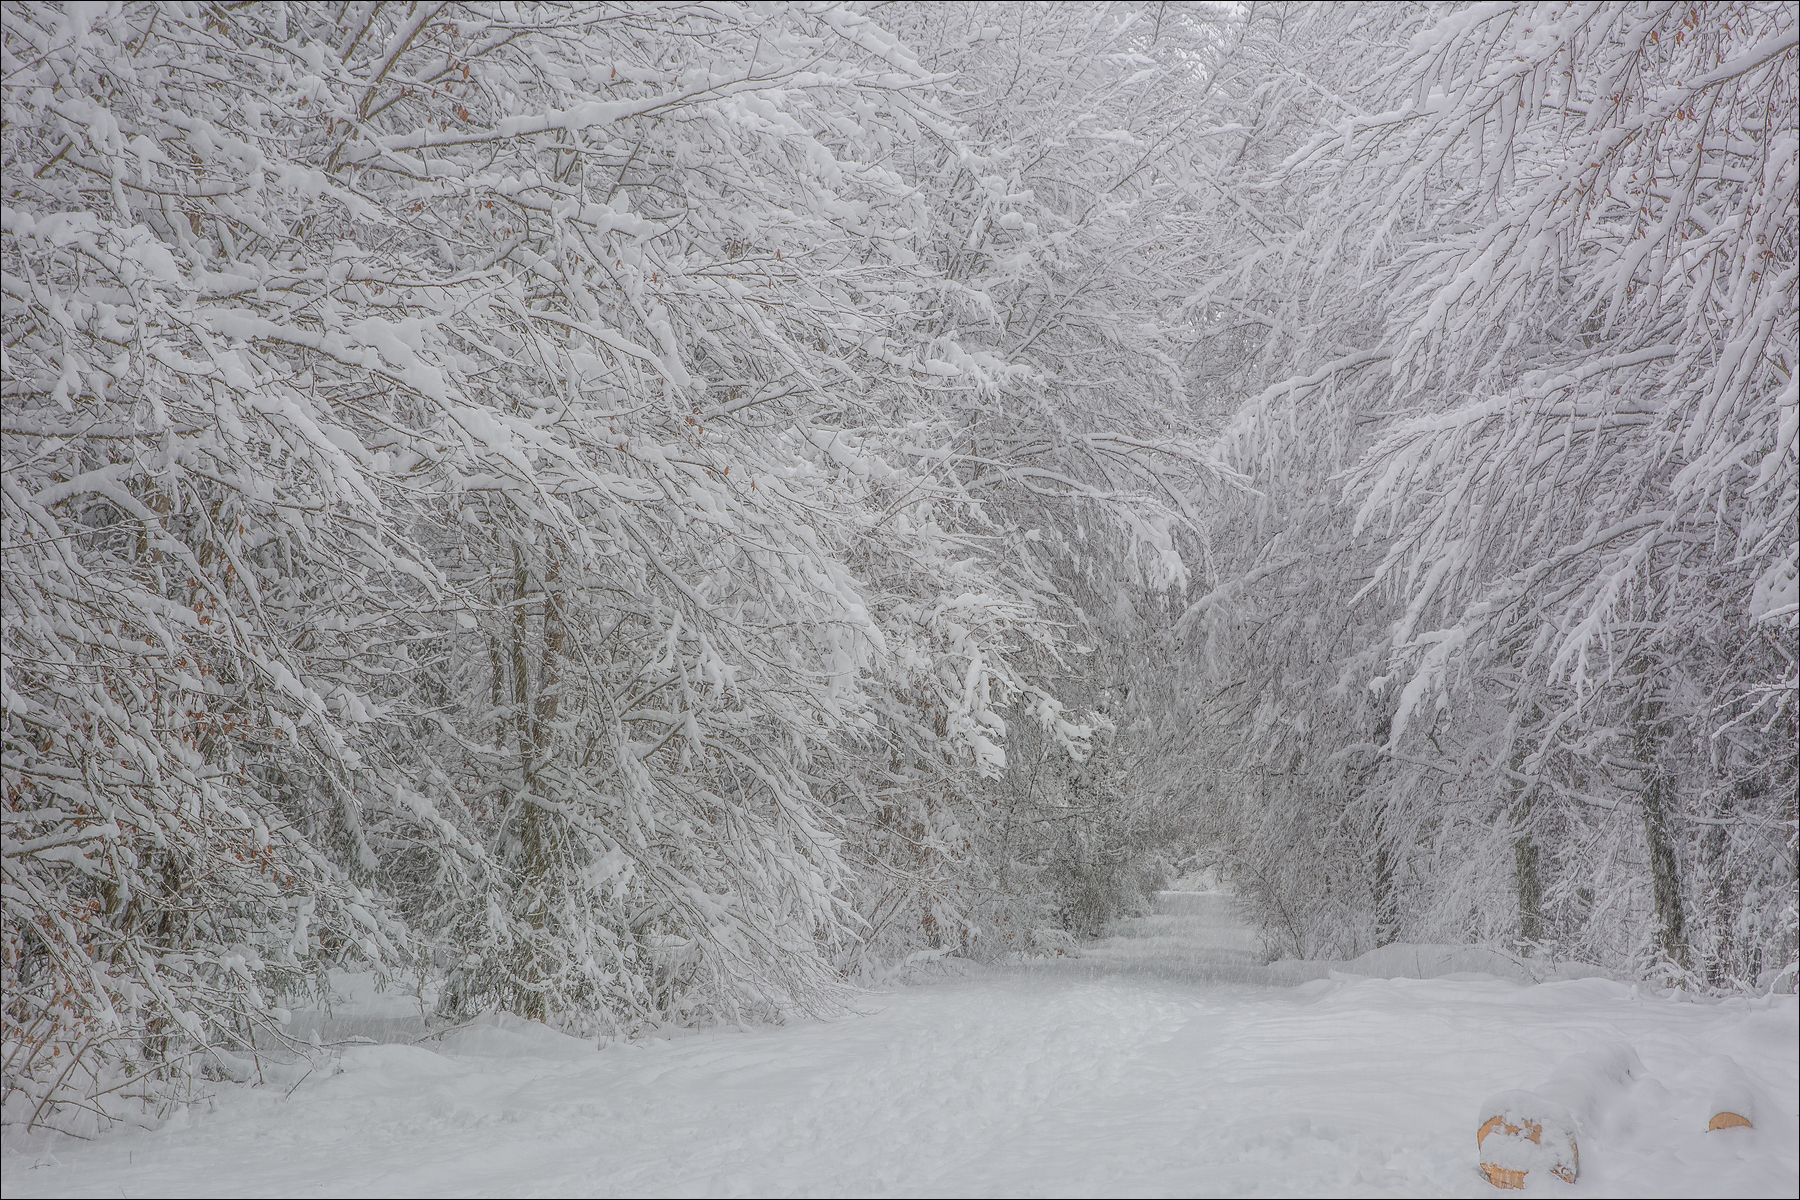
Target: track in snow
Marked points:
1160	1064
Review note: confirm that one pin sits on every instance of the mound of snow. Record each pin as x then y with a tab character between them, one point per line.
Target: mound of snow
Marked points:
502	1035
1055	942
1584	1081
1432	960
396	1063
1424	960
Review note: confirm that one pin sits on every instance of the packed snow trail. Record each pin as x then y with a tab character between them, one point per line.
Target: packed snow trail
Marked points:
1158	1064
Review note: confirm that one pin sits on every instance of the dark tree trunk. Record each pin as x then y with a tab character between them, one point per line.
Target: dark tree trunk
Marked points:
532	979
1385	897
1659	800
1528	880
1530	885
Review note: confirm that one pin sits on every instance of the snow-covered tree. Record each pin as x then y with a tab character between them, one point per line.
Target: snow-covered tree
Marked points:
480	488
1542	288
657	512
382	539
1061	222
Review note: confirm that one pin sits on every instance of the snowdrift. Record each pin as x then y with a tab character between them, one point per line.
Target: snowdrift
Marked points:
1434	960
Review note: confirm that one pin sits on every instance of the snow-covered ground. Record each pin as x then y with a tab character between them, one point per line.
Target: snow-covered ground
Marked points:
1165	1061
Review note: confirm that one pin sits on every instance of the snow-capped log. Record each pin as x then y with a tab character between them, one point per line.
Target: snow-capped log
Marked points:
1523	1133
1731	1098
1536	1130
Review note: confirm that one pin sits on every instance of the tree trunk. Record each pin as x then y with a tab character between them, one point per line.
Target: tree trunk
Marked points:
1386	898
1659	799
537	833
497	668
1387	901
1528	880
1530	886
521	671
1721	894
550	673
532	978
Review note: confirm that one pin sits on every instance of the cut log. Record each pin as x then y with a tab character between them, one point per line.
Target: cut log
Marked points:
1524	1132
1521	1132
1731	1102
1503	1177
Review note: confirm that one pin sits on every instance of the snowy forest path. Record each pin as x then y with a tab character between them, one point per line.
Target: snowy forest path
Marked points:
1160	1063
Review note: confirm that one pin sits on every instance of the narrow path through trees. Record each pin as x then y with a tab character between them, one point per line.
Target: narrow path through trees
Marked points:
1156	1064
